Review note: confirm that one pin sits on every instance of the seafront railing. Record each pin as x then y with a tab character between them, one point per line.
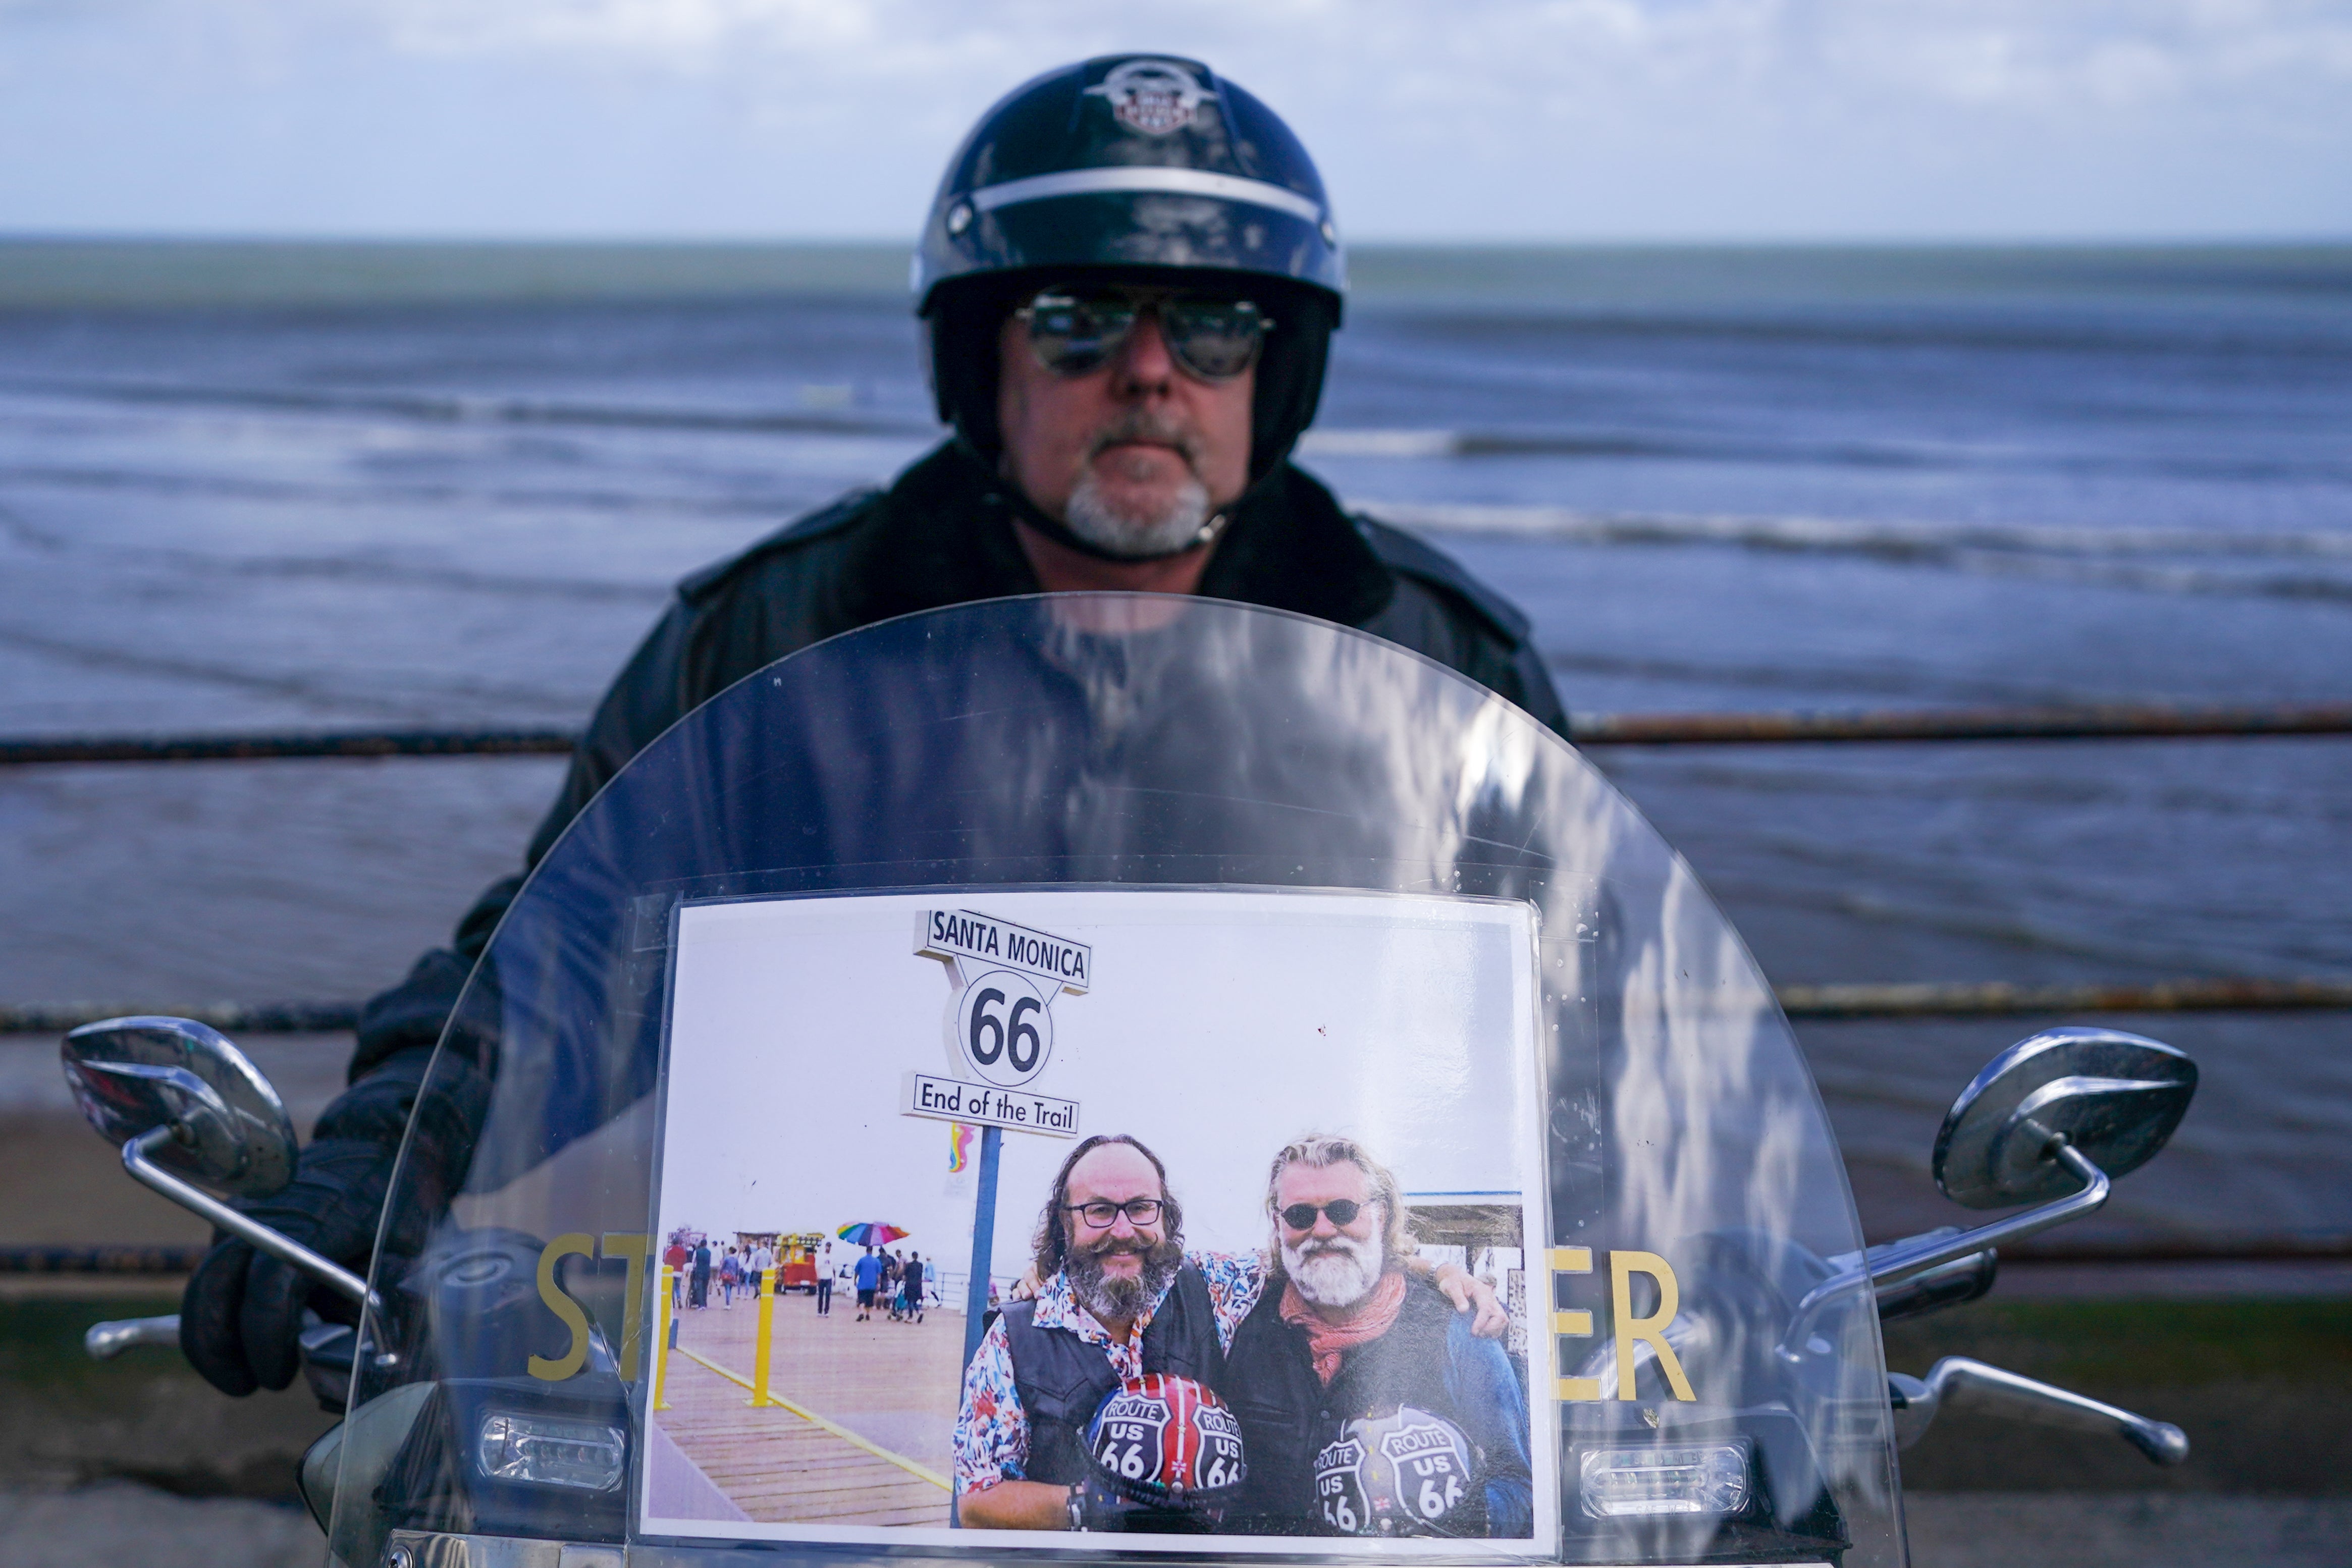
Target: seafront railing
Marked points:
2102	721
2108	721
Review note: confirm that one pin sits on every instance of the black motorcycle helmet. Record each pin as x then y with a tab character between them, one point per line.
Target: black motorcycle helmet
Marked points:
1144	168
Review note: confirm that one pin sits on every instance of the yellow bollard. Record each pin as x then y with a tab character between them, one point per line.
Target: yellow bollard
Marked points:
760	1399
661	1337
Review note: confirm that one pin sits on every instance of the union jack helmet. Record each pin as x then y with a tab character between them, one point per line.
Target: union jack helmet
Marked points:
1166	1442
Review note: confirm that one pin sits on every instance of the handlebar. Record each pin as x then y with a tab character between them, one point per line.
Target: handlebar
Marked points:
106	1341
1915	1403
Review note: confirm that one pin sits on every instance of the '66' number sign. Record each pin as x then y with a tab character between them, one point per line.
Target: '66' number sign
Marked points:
1004	1030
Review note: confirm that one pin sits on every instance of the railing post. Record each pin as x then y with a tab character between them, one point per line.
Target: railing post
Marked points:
759	1398
661	1340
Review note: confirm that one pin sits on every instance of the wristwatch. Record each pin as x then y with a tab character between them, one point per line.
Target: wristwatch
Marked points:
1077	1514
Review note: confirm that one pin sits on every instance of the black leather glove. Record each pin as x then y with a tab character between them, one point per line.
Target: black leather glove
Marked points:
241	1317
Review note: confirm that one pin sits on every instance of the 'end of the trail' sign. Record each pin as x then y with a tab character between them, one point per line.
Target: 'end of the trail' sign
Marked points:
1000	944
985	1105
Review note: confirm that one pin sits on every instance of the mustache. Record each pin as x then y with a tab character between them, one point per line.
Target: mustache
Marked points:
1142	425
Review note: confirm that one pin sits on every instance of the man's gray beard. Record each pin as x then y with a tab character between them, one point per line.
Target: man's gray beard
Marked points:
1122	1300
1336	1274
1091	517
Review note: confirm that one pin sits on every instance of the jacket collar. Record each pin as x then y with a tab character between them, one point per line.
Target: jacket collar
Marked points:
946	537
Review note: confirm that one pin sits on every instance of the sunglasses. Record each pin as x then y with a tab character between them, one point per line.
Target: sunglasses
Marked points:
1076	332
1343	1212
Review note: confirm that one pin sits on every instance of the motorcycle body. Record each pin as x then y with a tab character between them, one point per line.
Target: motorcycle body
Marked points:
1696	1318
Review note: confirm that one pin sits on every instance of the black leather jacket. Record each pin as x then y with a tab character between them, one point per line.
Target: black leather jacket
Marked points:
942	534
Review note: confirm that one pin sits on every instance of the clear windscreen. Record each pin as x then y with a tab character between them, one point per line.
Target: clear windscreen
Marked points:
869	943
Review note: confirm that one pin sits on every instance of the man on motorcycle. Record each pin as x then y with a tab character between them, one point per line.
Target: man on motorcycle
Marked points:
1128	284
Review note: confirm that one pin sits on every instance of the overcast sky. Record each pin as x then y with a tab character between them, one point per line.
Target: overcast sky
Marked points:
1432	119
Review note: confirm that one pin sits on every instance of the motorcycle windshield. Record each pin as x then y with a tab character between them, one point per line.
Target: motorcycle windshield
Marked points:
1463	1179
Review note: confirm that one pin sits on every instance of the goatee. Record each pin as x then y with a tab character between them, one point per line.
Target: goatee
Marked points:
1124	530
1124	1299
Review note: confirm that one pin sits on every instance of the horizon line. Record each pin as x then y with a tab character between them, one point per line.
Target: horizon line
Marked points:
2279	240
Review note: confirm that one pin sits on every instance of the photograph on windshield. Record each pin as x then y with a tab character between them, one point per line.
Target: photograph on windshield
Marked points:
1197	1217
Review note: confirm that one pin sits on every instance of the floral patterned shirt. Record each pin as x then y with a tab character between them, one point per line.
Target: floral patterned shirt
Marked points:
992	1430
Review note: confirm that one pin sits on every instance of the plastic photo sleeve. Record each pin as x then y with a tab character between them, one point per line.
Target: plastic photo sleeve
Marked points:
1198	1217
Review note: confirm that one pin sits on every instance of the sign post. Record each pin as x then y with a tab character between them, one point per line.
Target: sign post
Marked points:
1000	1039
983	1243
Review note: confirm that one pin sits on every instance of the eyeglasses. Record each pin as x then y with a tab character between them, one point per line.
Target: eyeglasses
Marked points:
1076	332
1343	1212
1102	1214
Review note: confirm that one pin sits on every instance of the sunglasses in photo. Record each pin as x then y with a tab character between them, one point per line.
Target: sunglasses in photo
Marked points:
1343	1212
1076	331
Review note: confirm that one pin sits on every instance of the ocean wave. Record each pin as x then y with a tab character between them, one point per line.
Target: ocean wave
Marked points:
1428	444
1919	682
823	415
2299	335
425	701
225	487
366	569
829	410
1892	538
2161	579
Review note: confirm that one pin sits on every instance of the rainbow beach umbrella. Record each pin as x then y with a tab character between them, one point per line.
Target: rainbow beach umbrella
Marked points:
870	1233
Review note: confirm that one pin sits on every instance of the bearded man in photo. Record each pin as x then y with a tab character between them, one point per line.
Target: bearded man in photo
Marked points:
1347	1332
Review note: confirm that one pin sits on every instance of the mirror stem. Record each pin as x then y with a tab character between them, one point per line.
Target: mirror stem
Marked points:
1902	1261
244	1226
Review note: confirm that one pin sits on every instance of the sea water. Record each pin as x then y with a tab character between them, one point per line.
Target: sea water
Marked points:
288	488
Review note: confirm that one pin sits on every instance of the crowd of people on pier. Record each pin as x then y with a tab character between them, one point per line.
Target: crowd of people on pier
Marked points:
706	1273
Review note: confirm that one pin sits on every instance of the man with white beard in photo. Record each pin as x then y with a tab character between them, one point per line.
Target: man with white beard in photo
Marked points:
1346	1350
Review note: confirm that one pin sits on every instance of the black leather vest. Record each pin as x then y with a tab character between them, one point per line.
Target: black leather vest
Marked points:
1062	1379
1287	1414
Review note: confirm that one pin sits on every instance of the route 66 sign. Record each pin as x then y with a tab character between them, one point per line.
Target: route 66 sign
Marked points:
1004	1031
1001	1029
1400	1474
1339	1487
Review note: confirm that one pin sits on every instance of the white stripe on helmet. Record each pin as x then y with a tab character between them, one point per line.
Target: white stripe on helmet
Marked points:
1147	178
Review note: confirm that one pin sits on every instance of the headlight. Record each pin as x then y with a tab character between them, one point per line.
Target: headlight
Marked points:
1669	1478
547	1450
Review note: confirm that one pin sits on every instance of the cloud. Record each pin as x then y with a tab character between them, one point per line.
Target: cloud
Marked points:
1489	117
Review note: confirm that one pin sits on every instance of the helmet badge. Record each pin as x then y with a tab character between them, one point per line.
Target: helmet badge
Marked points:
1155	96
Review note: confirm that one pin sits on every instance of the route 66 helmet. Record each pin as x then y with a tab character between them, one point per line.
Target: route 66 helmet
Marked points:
1141	168
1407	1472
1166	1442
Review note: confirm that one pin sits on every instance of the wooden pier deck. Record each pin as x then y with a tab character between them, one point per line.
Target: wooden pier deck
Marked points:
863	1436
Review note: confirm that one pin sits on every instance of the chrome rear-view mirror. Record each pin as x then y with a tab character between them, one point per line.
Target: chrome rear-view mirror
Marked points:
193	1118
2113	1098
229	1129
2050	1122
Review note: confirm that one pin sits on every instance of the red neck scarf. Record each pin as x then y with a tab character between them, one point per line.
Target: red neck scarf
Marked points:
1373	1317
